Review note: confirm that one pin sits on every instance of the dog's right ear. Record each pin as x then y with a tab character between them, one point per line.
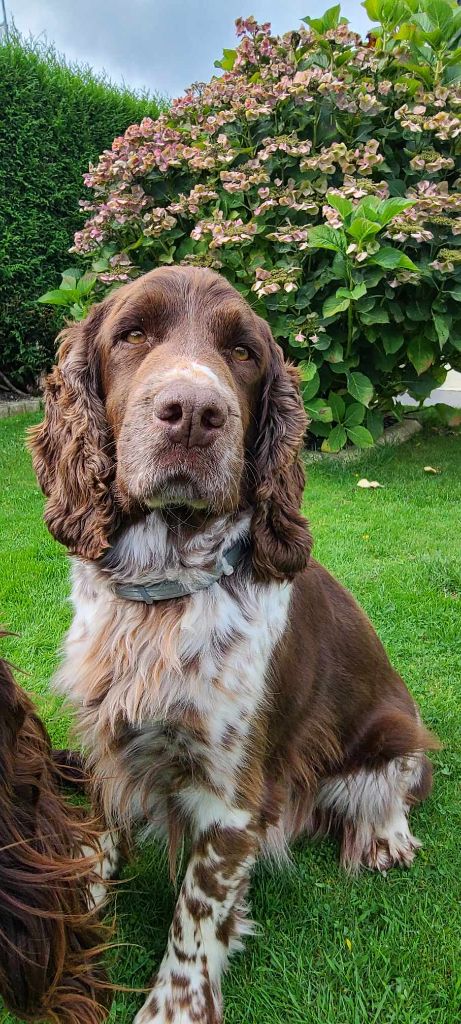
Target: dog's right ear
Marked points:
72	448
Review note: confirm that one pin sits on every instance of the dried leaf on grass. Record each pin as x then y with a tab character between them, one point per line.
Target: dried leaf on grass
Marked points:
369	483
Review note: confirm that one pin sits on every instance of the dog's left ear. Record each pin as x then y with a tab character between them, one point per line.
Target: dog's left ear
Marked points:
281	539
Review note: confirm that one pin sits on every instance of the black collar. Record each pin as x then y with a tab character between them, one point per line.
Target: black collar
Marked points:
165	590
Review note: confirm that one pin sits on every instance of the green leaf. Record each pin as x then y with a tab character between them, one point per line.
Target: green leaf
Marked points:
74	272
392	258
323	237
86	283
392	340
337	406
442	325
452	75
100	265
375	423
354	414
390	208
378	315
345	366
58	297
307	370
323	342
420	353
407	264
336	439
438	15
78	311
340	203
368	208
387	257
422	386
329	20
352	293
373	9
69	281
362	228
339	266
366	303
418	308
335	352
319	410
397	187
319	429
360	436
334	305
228	60
360	387
310	389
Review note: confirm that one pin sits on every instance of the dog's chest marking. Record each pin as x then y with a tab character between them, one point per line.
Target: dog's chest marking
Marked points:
168	695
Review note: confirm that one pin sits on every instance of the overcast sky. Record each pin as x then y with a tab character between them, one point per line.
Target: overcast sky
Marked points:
160	45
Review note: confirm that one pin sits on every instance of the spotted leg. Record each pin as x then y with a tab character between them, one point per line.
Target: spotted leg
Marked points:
208	921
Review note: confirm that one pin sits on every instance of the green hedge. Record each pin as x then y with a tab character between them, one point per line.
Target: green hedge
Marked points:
54	120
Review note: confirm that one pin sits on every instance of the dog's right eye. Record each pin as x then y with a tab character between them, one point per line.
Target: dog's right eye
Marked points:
134	338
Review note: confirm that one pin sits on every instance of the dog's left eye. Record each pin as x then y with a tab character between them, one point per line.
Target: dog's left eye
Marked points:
241	353
135	338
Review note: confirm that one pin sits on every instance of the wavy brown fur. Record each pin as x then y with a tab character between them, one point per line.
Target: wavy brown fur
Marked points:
50	944
281	537
79	510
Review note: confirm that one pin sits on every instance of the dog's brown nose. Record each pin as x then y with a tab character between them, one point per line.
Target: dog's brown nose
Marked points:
190	415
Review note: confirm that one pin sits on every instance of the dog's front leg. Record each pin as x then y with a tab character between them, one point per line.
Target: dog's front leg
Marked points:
208	922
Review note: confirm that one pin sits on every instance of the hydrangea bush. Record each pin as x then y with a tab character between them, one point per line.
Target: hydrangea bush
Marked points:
321	174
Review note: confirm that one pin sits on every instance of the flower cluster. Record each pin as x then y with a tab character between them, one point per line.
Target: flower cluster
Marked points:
310	330
120	269
268	282
446	260
363	159
243	179
432	205
196	198
223	231
287	196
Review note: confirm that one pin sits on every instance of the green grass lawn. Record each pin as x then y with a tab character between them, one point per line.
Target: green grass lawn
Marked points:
330	949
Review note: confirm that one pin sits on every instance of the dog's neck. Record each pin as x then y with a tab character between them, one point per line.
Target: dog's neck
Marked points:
161	547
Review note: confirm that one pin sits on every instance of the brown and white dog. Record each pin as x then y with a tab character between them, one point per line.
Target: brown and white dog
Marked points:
243	708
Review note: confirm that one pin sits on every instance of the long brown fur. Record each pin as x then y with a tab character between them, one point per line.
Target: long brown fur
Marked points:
281	537
50	942
72	457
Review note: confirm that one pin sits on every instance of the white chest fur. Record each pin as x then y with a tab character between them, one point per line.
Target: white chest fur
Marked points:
167	694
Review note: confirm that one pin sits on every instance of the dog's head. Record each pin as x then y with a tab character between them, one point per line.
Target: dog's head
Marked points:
173	392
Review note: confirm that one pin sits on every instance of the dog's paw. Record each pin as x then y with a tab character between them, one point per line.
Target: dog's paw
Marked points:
387	852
